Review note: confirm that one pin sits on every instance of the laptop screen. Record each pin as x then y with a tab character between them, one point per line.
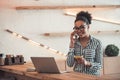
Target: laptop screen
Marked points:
45	64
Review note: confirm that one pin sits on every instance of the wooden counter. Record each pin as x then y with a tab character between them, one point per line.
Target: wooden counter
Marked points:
21	70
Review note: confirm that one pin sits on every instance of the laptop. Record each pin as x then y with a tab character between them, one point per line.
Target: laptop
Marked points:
46	65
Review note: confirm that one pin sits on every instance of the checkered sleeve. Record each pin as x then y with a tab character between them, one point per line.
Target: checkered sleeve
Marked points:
70	57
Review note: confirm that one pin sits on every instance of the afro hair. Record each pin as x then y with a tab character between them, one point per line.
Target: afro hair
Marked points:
85	15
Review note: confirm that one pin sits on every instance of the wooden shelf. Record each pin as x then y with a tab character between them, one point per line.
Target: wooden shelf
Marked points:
65	7
62	34
96	19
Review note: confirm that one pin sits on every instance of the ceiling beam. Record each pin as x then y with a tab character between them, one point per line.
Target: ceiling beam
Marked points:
65	7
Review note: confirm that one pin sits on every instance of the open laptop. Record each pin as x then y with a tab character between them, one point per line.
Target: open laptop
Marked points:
46	65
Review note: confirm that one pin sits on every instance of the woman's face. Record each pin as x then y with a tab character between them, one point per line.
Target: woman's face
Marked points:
81	28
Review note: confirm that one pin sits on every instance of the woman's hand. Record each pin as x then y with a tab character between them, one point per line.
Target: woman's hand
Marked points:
72	39
82	60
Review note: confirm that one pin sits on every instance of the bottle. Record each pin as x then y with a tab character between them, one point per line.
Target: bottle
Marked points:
8	60
1	59
13	59
21	59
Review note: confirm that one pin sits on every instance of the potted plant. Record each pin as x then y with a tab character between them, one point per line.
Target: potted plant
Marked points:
111	50
112	62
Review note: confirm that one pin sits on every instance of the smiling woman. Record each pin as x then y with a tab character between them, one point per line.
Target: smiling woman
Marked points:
87	47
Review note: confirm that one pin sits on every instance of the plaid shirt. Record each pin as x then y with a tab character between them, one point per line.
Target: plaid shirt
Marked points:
92	53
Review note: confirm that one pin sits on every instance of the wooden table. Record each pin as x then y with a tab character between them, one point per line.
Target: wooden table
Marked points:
20	70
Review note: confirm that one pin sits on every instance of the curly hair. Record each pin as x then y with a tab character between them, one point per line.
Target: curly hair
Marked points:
84	16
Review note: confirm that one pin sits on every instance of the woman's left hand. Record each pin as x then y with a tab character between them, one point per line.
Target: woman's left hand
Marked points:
87	63
83	61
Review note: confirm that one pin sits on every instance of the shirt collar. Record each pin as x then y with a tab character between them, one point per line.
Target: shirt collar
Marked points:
78	42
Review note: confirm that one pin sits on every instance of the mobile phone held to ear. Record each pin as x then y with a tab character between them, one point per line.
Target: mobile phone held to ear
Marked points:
76	36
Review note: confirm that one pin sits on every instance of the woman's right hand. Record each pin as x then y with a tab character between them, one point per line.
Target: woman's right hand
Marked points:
72	39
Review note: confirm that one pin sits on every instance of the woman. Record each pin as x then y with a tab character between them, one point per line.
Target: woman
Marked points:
85	51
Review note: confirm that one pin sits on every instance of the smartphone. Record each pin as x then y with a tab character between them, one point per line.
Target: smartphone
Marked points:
76	36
